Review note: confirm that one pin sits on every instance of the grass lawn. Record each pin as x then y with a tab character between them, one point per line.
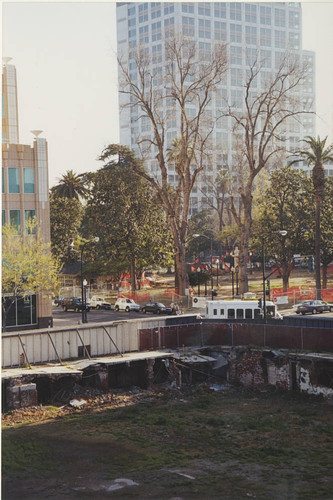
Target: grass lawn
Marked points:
189	444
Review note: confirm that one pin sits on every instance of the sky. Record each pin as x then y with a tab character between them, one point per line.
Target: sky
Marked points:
65	58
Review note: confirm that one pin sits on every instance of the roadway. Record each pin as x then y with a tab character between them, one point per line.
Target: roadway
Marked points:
70	318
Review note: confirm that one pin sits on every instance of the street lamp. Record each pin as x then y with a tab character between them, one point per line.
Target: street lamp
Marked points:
211	259
263	238
232	270
84	282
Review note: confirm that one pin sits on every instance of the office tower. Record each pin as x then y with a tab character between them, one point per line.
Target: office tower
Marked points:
249	30
25	196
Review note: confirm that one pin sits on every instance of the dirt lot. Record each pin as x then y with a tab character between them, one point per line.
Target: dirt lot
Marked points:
192	443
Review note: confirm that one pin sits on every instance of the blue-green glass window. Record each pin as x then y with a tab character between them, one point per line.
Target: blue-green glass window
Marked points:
29	215
15	219
3	180
29	180
13	180
3	217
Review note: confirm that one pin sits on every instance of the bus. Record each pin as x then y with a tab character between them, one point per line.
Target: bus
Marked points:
239	309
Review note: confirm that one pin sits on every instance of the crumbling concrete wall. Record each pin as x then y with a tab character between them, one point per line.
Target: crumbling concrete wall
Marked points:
308	382
247	367
19	396
278	373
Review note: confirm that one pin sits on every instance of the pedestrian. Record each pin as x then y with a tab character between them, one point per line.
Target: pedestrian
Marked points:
177	308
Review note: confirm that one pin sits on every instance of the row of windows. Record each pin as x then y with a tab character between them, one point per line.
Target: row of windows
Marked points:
252	13
15	220
14	181
239	313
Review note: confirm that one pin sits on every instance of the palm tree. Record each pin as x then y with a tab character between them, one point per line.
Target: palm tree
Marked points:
317	155
71	185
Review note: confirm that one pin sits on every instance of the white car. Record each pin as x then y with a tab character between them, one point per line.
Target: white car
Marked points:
125	304
99	303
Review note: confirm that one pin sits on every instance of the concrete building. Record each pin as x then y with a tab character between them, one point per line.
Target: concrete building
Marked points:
25	195
248	30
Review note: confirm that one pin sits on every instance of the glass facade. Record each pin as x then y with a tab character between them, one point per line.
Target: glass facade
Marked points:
29	180
13	180
21	311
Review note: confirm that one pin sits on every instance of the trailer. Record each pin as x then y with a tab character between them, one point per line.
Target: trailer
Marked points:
240	309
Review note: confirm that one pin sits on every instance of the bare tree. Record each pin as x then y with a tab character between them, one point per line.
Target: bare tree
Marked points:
181	91
260	133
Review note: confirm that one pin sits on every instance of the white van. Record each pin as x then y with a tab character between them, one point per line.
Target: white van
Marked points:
239	309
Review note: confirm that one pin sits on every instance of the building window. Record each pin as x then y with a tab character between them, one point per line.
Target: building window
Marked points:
236	11
236	77
236	55
188	26
250	13
168	8
29	216
293	19
188	7
280	18
155	9
204	9
14	180
220	10
251	35
220	30
265	15
265	37
236	33
204	28
3	217
266	58
29	180
15	219
280	39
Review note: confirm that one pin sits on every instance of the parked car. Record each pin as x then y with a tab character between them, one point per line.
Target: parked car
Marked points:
156	308
58	302
124	304
99	303
313	307
75	304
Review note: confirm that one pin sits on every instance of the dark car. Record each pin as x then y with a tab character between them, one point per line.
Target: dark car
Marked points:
74	303
156	308
313	307
58	301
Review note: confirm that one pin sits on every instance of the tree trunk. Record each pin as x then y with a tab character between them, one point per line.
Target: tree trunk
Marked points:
317	248
324	276
133	274
181	278
285	278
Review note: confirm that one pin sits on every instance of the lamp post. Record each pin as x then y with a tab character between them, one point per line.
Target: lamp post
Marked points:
217	271
237	271
263	238
84	282
211	260
232	270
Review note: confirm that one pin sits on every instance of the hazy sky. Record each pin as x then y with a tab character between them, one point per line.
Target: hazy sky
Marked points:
65	57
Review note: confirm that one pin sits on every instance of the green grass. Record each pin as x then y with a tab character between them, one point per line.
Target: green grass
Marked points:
241	444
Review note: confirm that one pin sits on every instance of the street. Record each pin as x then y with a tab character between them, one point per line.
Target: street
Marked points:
71	318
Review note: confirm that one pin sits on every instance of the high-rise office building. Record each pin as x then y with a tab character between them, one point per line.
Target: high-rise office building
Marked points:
249	30
25	196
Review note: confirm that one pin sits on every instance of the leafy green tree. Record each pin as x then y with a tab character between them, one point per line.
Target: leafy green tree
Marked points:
285	205
125	214
65	219
71	185
316	156
326	247
27	266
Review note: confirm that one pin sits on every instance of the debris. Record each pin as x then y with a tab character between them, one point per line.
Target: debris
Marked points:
181	474
121	483
76	403
216	387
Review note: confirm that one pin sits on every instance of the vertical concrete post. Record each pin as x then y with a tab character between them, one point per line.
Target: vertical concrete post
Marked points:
104	379
150	373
